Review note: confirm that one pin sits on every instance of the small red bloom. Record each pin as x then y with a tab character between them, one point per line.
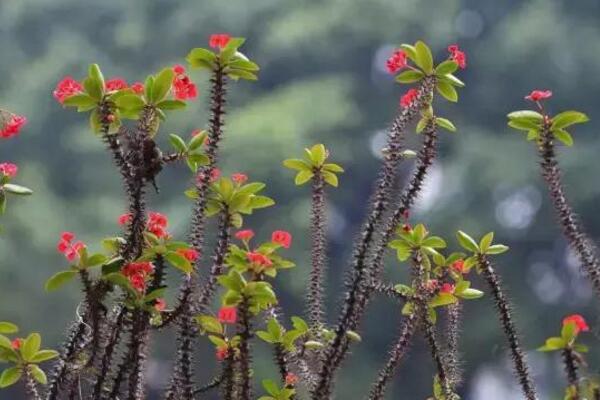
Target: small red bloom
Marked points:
291	379
190	254
222	353
431	284
406	228
458	56
282	238
538	95
215	173
239	178
16	343
160	304
579	321
138	281
407	99
157	224
447	288
219	40
396	62
114	84
70	250
66	88
259	259
13	126
179	69
458	266
124	218
227	315
8	169
67	236
184	88
138	88
138	268
245	235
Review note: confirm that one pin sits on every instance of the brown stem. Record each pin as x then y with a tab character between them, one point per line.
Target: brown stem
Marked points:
315	299
571	370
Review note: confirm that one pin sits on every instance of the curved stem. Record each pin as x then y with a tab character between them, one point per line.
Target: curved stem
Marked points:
503	307
572	230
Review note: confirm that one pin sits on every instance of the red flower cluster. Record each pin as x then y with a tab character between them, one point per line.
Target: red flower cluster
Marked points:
190	254
447	288
222	353
183	87
239	178
458	56
282	238
396	62
138	88
16	343
245	234
579	321
124	219
291	379
157	224
137	272
259	259
115	84
407	99
68	248
219	40
66	88
13	126
227	315
9	169
458	266
538	95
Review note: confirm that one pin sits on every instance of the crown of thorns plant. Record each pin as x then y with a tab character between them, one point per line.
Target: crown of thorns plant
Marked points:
124	284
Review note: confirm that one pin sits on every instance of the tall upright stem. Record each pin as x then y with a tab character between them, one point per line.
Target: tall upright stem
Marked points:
316	287
571	370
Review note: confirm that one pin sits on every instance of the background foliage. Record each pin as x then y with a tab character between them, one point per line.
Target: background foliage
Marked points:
322	80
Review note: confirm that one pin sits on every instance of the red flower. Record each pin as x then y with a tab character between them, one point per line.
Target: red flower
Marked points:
579	321
9	169
219	40
13	126
160	304
259	259
291	379
157	224
70	250
190	254
138	281
396	62
407	99
239	178
215	173
124	218
184	88
458	266
66	88
114	84
179	69
538	95
406	228
458	56
222	353
142	268
282	238
447	288
138	88
245	235
16	343
431	284
227	315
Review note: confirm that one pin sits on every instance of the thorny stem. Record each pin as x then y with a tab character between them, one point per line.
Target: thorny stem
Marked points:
571	370
504	312
244	357
228	374
574	233
315	299
452	335
359	273
30	385
116	331
214	383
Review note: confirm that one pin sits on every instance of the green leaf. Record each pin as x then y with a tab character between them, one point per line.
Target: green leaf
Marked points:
30	346
524	124
435	242
330	178
526	114
44	355
271	387
333	168
424	57
95	73
232	46
8	327
497	249
178	143
568	118
297	164
94	88
59	279
318	153
10	376
244	64
446	67
467	242
179	262
209	324
162	85
38	374
564	136
82	101
299	324
486	241
242	74
261	201
5	342
410	76
447	91
201	58
446	124
167	105
422	124
131	102
552	344
568	331
452	80
302	177
17	189
96	259
410	51
353	336
470	294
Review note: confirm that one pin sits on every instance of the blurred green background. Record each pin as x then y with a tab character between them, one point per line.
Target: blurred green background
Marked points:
322	80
